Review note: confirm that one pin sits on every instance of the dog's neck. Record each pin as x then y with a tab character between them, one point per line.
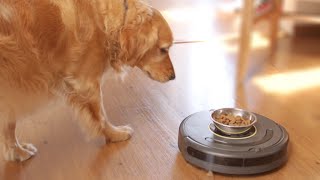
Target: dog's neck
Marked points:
115	11
120	15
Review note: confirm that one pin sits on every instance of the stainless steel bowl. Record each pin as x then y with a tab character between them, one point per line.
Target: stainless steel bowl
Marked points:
233	129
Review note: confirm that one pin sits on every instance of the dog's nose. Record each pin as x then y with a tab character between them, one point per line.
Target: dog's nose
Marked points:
172	77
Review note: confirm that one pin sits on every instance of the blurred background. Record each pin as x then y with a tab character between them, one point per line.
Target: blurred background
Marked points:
259	55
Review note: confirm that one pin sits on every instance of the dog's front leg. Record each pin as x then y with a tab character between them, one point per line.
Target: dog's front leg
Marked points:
89	106
11	148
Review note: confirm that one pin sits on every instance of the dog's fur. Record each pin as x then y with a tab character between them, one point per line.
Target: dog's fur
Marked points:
51	49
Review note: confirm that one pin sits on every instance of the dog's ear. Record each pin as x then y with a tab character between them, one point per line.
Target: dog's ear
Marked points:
136	40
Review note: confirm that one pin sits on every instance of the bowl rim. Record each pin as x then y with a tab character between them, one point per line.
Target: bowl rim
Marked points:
230	126
234	133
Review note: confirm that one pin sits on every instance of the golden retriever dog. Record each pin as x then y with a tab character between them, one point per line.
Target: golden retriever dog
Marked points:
64	49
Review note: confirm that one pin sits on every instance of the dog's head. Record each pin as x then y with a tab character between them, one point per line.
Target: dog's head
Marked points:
147	45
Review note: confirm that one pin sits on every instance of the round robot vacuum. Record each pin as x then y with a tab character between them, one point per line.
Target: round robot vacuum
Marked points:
260	149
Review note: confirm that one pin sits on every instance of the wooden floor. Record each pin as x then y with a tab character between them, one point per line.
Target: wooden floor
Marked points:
284	87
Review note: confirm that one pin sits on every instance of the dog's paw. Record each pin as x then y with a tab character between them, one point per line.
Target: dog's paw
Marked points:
119	133
29	147
20	153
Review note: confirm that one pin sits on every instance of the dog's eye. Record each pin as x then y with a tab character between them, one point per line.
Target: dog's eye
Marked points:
164	50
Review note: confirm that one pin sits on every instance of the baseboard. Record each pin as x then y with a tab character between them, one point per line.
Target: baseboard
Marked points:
307	30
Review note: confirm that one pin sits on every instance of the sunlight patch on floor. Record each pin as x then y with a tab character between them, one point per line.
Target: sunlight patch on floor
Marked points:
289	82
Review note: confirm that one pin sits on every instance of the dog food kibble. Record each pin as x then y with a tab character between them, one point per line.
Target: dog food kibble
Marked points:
229	119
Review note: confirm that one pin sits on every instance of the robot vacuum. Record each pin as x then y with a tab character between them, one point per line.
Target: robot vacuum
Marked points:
260	149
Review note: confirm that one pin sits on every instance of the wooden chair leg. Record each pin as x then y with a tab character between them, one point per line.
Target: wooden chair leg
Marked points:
274	25
245	40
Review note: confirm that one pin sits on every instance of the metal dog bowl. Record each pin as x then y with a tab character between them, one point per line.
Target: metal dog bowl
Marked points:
233	129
